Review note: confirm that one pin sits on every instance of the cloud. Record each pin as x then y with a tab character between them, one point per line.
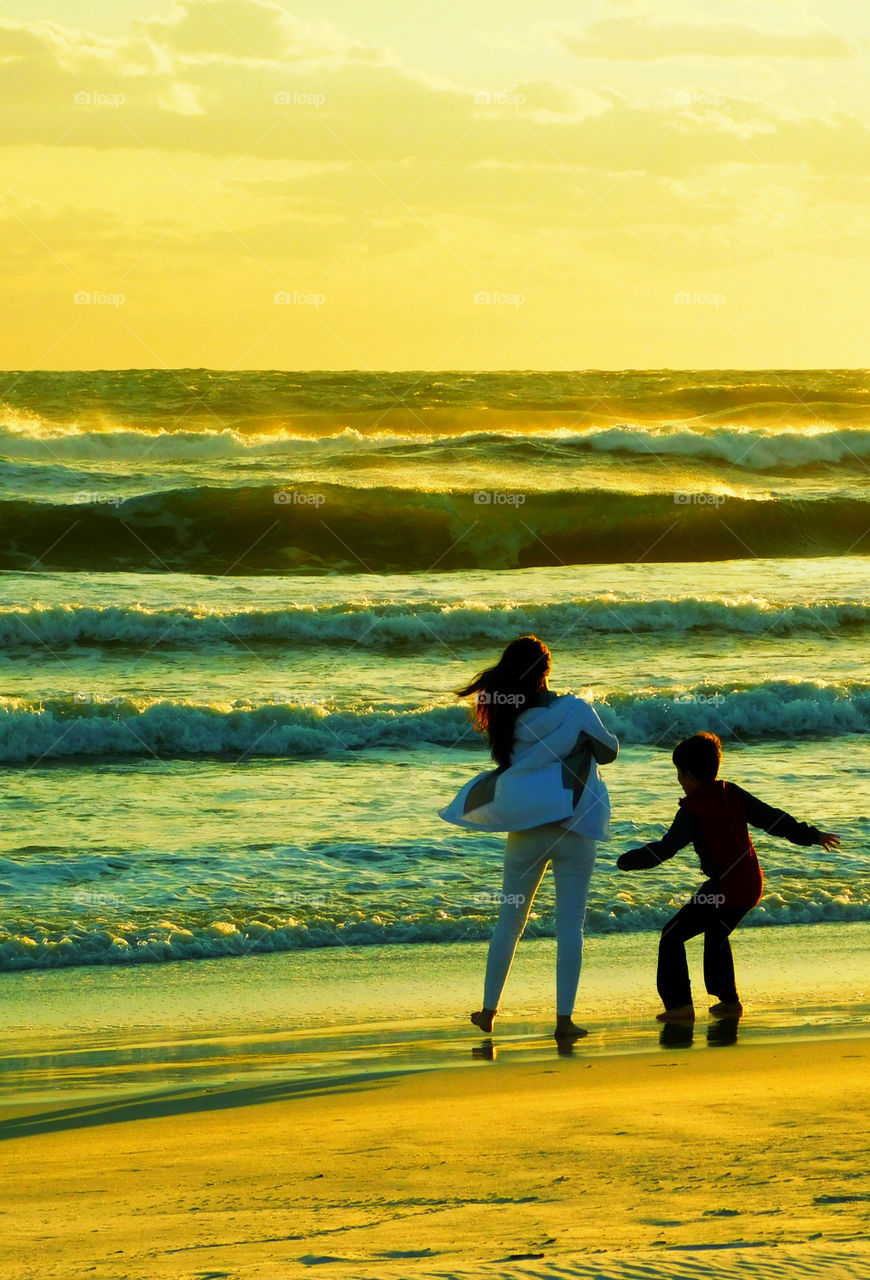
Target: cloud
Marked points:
651	39
237	29
368	111
366	159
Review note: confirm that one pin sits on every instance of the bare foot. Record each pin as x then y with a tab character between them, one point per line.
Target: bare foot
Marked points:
679	1013
484	1018
567	1029
726	1009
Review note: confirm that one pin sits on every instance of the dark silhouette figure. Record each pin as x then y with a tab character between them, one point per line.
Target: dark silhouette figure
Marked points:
713	816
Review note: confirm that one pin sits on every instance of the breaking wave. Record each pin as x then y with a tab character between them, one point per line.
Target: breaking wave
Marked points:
328	527
87	724
414	625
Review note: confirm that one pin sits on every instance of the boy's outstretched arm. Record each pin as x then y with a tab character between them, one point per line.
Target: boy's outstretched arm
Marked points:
779	823
681	833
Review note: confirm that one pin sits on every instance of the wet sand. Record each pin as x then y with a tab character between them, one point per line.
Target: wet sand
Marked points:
336	1114
647	1164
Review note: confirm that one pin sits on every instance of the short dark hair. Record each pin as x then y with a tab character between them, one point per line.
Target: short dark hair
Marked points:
699	755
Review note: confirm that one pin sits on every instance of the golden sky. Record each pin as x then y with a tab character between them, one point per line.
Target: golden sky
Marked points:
495	185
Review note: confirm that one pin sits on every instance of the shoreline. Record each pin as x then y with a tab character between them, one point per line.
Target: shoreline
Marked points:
360	1013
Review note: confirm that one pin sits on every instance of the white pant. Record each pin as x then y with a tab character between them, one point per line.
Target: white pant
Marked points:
527	854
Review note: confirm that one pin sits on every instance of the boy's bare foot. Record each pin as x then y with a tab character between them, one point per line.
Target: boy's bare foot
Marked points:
567	1029
484	1018
679	1013
726	1009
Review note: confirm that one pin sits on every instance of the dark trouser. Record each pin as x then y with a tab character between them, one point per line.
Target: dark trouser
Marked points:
702	914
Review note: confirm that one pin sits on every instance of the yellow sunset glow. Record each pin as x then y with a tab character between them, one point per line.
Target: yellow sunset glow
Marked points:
240	184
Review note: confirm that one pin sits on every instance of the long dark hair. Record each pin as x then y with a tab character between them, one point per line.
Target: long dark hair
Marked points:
503	691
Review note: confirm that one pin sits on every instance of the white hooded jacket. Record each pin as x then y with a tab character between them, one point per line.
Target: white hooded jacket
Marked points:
553	775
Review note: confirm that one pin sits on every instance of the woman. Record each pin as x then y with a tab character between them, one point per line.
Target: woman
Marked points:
548	794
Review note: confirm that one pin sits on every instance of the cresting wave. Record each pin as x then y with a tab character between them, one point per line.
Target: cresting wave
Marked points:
327	527
105	936
118	727
413	625
759	449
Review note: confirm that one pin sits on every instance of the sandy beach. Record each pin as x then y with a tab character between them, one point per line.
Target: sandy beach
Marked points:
742	1161
161	1122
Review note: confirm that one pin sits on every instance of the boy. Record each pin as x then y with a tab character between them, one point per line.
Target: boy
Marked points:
713	816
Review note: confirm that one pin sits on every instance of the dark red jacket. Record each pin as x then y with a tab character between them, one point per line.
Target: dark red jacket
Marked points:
715	818
723	842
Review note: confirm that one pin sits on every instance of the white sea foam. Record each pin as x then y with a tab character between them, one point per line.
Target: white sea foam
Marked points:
102	929
754	448
404	624
91	725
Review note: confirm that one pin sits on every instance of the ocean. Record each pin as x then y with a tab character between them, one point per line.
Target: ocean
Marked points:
234	607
